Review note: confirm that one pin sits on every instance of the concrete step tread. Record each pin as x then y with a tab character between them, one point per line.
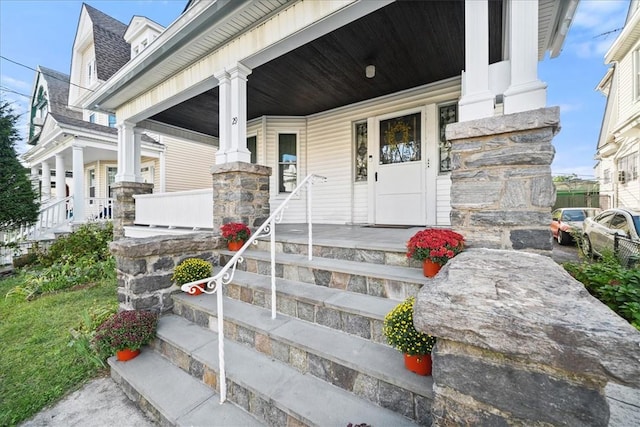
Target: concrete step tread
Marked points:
351	302
362	355
382	271
276	382
180	398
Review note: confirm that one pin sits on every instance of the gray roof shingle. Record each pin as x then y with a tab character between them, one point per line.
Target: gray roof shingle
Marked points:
58	93
112	52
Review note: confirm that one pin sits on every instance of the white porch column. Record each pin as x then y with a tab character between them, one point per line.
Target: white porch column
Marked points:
525	92
224	116
163	172
126	153
78	184
35	179
137	157
60	177
237	150
476	101
46	182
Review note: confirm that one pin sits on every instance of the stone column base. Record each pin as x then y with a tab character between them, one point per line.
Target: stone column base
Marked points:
501	187
240	194
124	209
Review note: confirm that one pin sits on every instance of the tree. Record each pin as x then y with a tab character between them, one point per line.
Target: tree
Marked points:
18	199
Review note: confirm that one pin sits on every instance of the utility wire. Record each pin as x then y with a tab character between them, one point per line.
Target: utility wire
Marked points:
46	74
6	89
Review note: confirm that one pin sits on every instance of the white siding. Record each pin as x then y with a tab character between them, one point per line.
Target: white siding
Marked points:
188	164
626	105
329	152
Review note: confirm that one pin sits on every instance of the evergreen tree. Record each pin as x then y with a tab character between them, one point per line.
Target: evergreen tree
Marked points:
18	204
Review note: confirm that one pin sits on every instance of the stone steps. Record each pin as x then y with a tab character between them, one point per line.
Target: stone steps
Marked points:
170	396
381	280
272	391
372	370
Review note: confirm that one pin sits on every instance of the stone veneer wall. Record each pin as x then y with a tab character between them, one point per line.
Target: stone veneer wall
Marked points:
144	267
124	209
516	347
501	187
240	194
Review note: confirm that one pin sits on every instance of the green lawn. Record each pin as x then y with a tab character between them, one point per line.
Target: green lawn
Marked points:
37	367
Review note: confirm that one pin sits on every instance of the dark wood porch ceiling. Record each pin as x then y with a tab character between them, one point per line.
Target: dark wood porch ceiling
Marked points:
411	43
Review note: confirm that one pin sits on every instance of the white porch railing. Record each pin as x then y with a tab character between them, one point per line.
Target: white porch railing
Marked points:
51	217
99	208
183	209
225	276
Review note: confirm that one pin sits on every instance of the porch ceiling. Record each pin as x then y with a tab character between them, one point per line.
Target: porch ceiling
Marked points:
410	43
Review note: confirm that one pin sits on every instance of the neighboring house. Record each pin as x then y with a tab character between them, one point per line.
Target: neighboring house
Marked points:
357	91
576	193
619	142
82	144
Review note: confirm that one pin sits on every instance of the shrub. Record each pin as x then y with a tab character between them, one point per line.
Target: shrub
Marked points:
616	286
89	240
25	260
83	334
402	335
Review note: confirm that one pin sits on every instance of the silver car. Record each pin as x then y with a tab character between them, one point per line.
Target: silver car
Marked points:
599	232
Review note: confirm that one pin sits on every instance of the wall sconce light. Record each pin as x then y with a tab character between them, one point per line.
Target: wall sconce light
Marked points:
370	71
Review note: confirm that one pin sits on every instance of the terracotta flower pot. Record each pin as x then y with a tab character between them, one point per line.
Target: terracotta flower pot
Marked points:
126	354
197	290
419	364
430	268
235	245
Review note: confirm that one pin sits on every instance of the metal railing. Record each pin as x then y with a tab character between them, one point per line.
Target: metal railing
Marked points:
214	284
627	251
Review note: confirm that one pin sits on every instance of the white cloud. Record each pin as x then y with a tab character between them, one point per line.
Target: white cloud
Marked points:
15	84
597	16
568	108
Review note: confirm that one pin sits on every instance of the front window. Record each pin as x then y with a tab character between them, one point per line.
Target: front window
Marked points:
112	120
287	162
400	140
92	184
628	168
92	118
111	179
252	146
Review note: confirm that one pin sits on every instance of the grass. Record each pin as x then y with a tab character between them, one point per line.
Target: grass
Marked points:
37	367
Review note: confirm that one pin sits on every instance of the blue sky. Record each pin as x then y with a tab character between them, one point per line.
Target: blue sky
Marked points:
42	32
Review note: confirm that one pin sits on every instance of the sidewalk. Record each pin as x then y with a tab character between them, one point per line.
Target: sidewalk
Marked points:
100	403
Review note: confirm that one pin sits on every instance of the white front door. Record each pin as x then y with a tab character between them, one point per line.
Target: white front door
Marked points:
399	177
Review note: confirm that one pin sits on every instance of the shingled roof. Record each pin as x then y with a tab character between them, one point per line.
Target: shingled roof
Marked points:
112	52
79	123
58	92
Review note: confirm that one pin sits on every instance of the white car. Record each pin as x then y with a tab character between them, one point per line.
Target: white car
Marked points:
600	231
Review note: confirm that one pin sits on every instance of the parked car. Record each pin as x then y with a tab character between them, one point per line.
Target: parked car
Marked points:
566	221
600	231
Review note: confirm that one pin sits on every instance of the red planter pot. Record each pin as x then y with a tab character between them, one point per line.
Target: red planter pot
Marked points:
419	364
197	290
430	268
126	354
235	246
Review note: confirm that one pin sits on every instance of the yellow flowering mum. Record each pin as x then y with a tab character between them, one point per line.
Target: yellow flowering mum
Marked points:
400	333
190	270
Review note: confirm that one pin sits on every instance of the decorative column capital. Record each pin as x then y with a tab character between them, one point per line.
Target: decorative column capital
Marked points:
239	71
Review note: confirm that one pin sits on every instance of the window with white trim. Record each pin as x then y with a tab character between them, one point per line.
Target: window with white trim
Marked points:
628	168
91	71
287	162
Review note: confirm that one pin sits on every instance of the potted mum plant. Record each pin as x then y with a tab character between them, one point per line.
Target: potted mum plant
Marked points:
191	270
402	335
434	247
124	333
235	233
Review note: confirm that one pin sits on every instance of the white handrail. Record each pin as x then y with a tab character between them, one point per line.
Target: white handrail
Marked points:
214	284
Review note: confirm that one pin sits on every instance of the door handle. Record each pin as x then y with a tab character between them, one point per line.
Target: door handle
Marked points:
376	175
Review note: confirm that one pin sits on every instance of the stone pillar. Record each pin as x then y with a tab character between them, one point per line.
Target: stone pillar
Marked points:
144	267
240	194
45	194
520	342
501	187
124	210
